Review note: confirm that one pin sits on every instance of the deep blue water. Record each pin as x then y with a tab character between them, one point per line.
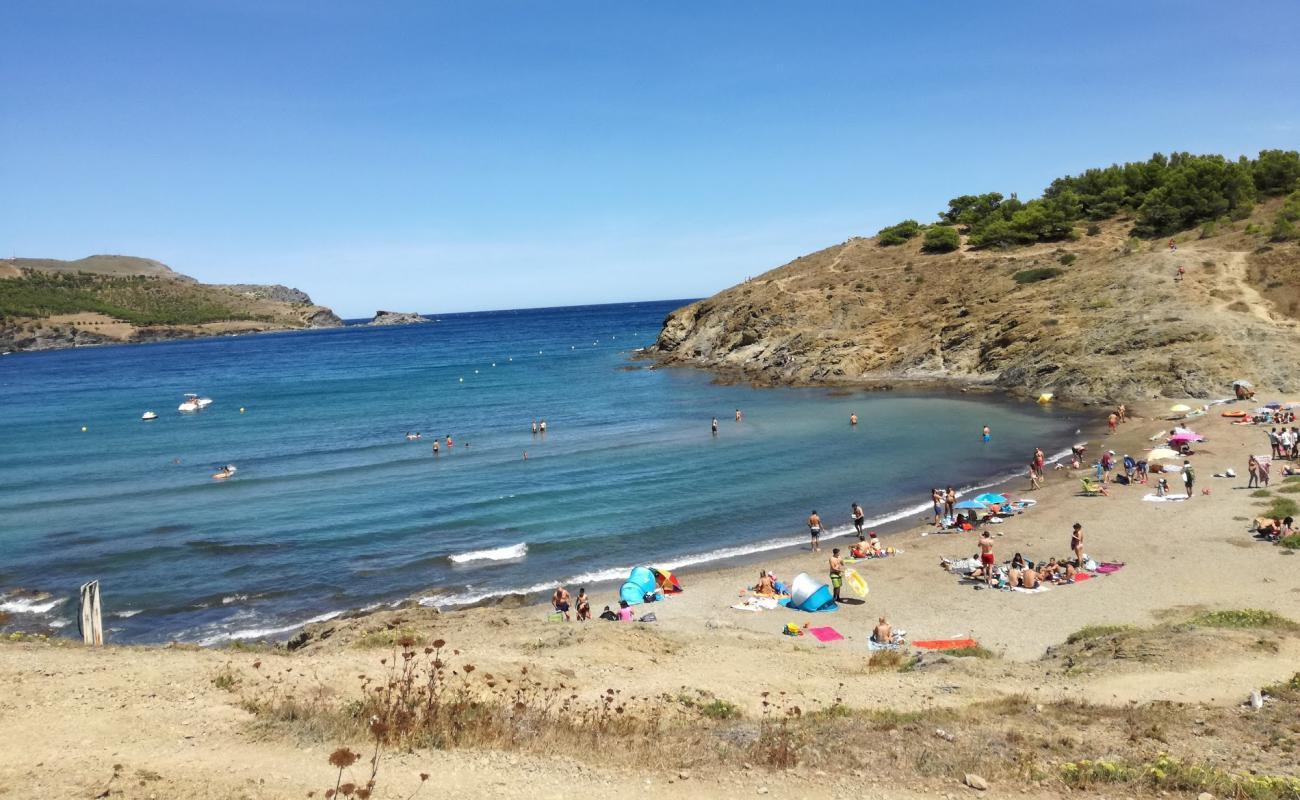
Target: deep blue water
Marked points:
332	508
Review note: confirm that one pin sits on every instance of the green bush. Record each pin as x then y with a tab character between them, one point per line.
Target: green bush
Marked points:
941	239
1283	231
1093	229
900	233
1037	274
1209	229
1068	258
1243	618
137	299
1282	508
1291	542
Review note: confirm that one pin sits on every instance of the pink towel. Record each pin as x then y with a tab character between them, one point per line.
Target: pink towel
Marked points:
825	634
1108	568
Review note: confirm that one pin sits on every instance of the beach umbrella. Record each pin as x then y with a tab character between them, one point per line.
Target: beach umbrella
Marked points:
1180	408
1161	454
990	499
971	504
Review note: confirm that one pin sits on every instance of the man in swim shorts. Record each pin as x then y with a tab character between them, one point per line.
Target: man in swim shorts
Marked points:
936	498
986	557
561	601
859	518
837	573
815	531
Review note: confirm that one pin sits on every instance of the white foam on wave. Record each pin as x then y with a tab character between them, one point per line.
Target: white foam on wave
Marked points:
494	554
21	605
260	633
469	595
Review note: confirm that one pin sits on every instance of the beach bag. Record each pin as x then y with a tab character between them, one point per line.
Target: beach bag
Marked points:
649	618
792	629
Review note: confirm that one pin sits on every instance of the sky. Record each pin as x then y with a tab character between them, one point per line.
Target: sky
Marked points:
441	157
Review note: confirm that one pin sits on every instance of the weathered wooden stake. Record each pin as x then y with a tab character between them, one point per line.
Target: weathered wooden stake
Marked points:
90	623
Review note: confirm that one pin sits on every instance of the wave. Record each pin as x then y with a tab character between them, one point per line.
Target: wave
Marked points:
495	554
127	614
261	633
30	605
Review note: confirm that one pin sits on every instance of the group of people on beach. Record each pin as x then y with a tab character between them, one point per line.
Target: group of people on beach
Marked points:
568	607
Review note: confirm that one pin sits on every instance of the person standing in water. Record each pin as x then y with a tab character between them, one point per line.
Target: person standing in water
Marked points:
435	447
542	426
853	418
837	574
815	531
739	416
534	426
859	518
450	443
987	434
715	426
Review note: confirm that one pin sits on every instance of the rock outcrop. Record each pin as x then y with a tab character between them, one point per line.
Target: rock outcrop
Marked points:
1094	319
396	318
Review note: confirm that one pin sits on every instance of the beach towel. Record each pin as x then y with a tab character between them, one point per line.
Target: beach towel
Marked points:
872	644
1080	577
945	644
825	634
1169	498
1108	567
1034	590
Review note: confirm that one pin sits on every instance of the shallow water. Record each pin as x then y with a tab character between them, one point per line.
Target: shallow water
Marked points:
332	508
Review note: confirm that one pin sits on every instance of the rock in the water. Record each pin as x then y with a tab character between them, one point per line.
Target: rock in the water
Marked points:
397	318
976	782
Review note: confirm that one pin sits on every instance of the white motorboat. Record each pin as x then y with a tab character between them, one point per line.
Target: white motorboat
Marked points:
194	403
148	415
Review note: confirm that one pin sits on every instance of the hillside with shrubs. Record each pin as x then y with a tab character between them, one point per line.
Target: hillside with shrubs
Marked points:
1173	275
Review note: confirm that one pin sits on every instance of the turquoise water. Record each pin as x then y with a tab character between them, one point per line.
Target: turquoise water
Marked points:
333	509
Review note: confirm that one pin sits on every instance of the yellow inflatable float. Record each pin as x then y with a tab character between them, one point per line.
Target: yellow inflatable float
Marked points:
856	583
1045	398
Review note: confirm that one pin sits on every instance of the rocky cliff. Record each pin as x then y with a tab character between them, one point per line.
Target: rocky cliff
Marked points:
48	304
1098	318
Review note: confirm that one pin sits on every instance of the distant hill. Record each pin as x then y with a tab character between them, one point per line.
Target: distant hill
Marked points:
1054	296
103	299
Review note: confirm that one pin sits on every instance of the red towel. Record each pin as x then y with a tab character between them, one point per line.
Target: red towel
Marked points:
825	634
944	644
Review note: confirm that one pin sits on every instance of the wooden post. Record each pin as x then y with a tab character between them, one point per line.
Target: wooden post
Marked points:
90	623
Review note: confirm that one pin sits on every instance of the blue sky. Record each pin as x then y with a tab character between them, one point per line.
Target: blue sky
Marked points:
474	155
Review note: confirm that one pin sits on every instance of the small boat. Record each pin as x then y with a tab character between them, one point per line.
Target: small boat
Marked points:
148	415
194	403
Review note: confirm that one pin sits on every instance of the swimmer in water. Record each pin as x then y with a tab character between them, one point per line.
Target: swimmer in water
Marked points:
739	416
987	434
542	427
715	426
853	418
450	443
435	447
534	426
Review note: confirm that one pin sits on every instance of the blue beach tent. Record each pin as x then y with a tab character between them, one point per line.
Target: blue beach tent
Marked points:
640	582
807	594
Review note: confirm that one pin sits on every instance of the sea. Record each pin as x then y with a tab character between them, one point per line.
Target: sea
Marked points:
336	506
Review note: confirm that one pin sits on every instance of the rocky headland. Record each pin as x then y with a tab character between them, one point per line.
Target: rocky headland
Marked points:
48	304
1099	317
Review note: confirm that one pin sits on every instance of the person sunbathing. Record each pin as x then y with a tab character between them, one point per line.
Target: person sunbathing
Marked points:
859	549
874	544
1028	579
883	633
766	585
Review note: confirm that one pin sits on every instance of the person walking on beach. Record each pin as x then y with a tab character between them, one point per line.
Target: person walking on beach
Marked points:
987	434
561	601
1107	464
1035	481
859	518
1112	421
1122	412
1189	477
715	426
1040	461
1252	466
936	498
815	531
583	605
986	556
1076	544
837	574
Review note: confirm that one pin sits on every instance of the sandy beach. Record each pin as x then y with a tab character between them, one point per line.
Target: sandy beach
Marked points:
177	721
